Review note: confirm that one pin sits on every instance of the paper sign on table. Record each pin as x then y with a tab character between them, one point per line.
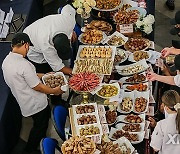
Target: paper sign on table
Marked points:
9	16
154	56
142	3
4	31
159	63
101	109
96	139
147	132
151	45
126	28
2	15
102	118
105	128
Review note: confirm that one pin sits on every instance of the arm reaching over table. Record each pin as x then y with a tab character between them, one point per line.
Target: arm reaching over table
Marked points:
165	79
169	51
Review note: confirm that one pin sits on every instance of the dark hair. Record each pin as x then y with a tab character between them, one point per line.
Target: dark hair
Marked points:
170	98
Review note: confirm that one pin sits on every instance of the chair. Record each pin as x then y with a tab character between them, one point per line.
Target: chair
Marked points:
59	115
48	146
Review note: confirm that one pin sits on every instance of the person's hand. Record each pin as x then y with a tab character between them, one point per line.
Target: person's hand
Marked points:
152	122
74	37
152	76
166	52
58	91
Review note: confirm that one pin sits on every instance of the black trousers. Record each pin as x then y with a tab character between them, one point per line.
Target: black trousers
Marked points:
40	125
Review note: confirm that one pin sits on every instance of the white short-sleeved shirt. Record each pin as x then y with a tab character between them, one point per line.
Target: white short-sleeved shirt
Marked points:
160	138
21	77
177	80
42	32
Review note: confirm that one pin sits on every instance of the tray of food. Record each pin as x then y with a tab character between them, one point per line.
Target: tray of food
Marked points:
131	127
96	52
89	130
55	80
108	90
135	78
141	102
111	117
131	118
85	145
133	137
84	82
139	87
98	66
126	105
116	39
120	56
92	37
108	5
137	44
85	109
131	69
141	10
139	55
99	25
126	17
86	119
125	144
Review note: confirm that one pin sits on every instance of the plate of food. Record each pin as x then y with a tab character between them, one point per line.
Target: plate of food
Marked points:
108	90
135	78
120	56
90	108
126	17
96	52
139	55
131	69
141	102
99	25
139	87
85	119
133	137
137	44
108	5
92	37
84	82
141	10
125	145
131	127
131	118
89	130
126	105
111	117
55	80
86	145
116	39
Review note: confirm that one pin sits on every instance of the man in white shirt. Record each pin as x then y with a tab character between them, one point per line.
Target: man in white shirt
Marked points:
50	37
25	85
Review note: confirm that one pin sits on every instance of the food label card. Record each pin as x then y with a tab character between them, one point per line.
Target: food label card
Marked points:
126	28
97	151
102	118
101	109
105	128
150	111
142	3
96	139
147	132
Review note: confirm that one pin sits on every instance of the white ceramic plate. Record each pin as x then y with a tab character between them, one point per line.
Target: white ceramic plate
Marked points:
121	118
141	62
121	52
131	56
116	33
125	86
64	87
113	84
123	79
121	125
141	10
126	94
141	94
124	140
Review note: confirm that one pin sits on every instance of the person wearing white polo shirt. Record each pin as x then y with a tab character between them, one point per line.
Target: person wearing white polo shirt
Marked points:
25	85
